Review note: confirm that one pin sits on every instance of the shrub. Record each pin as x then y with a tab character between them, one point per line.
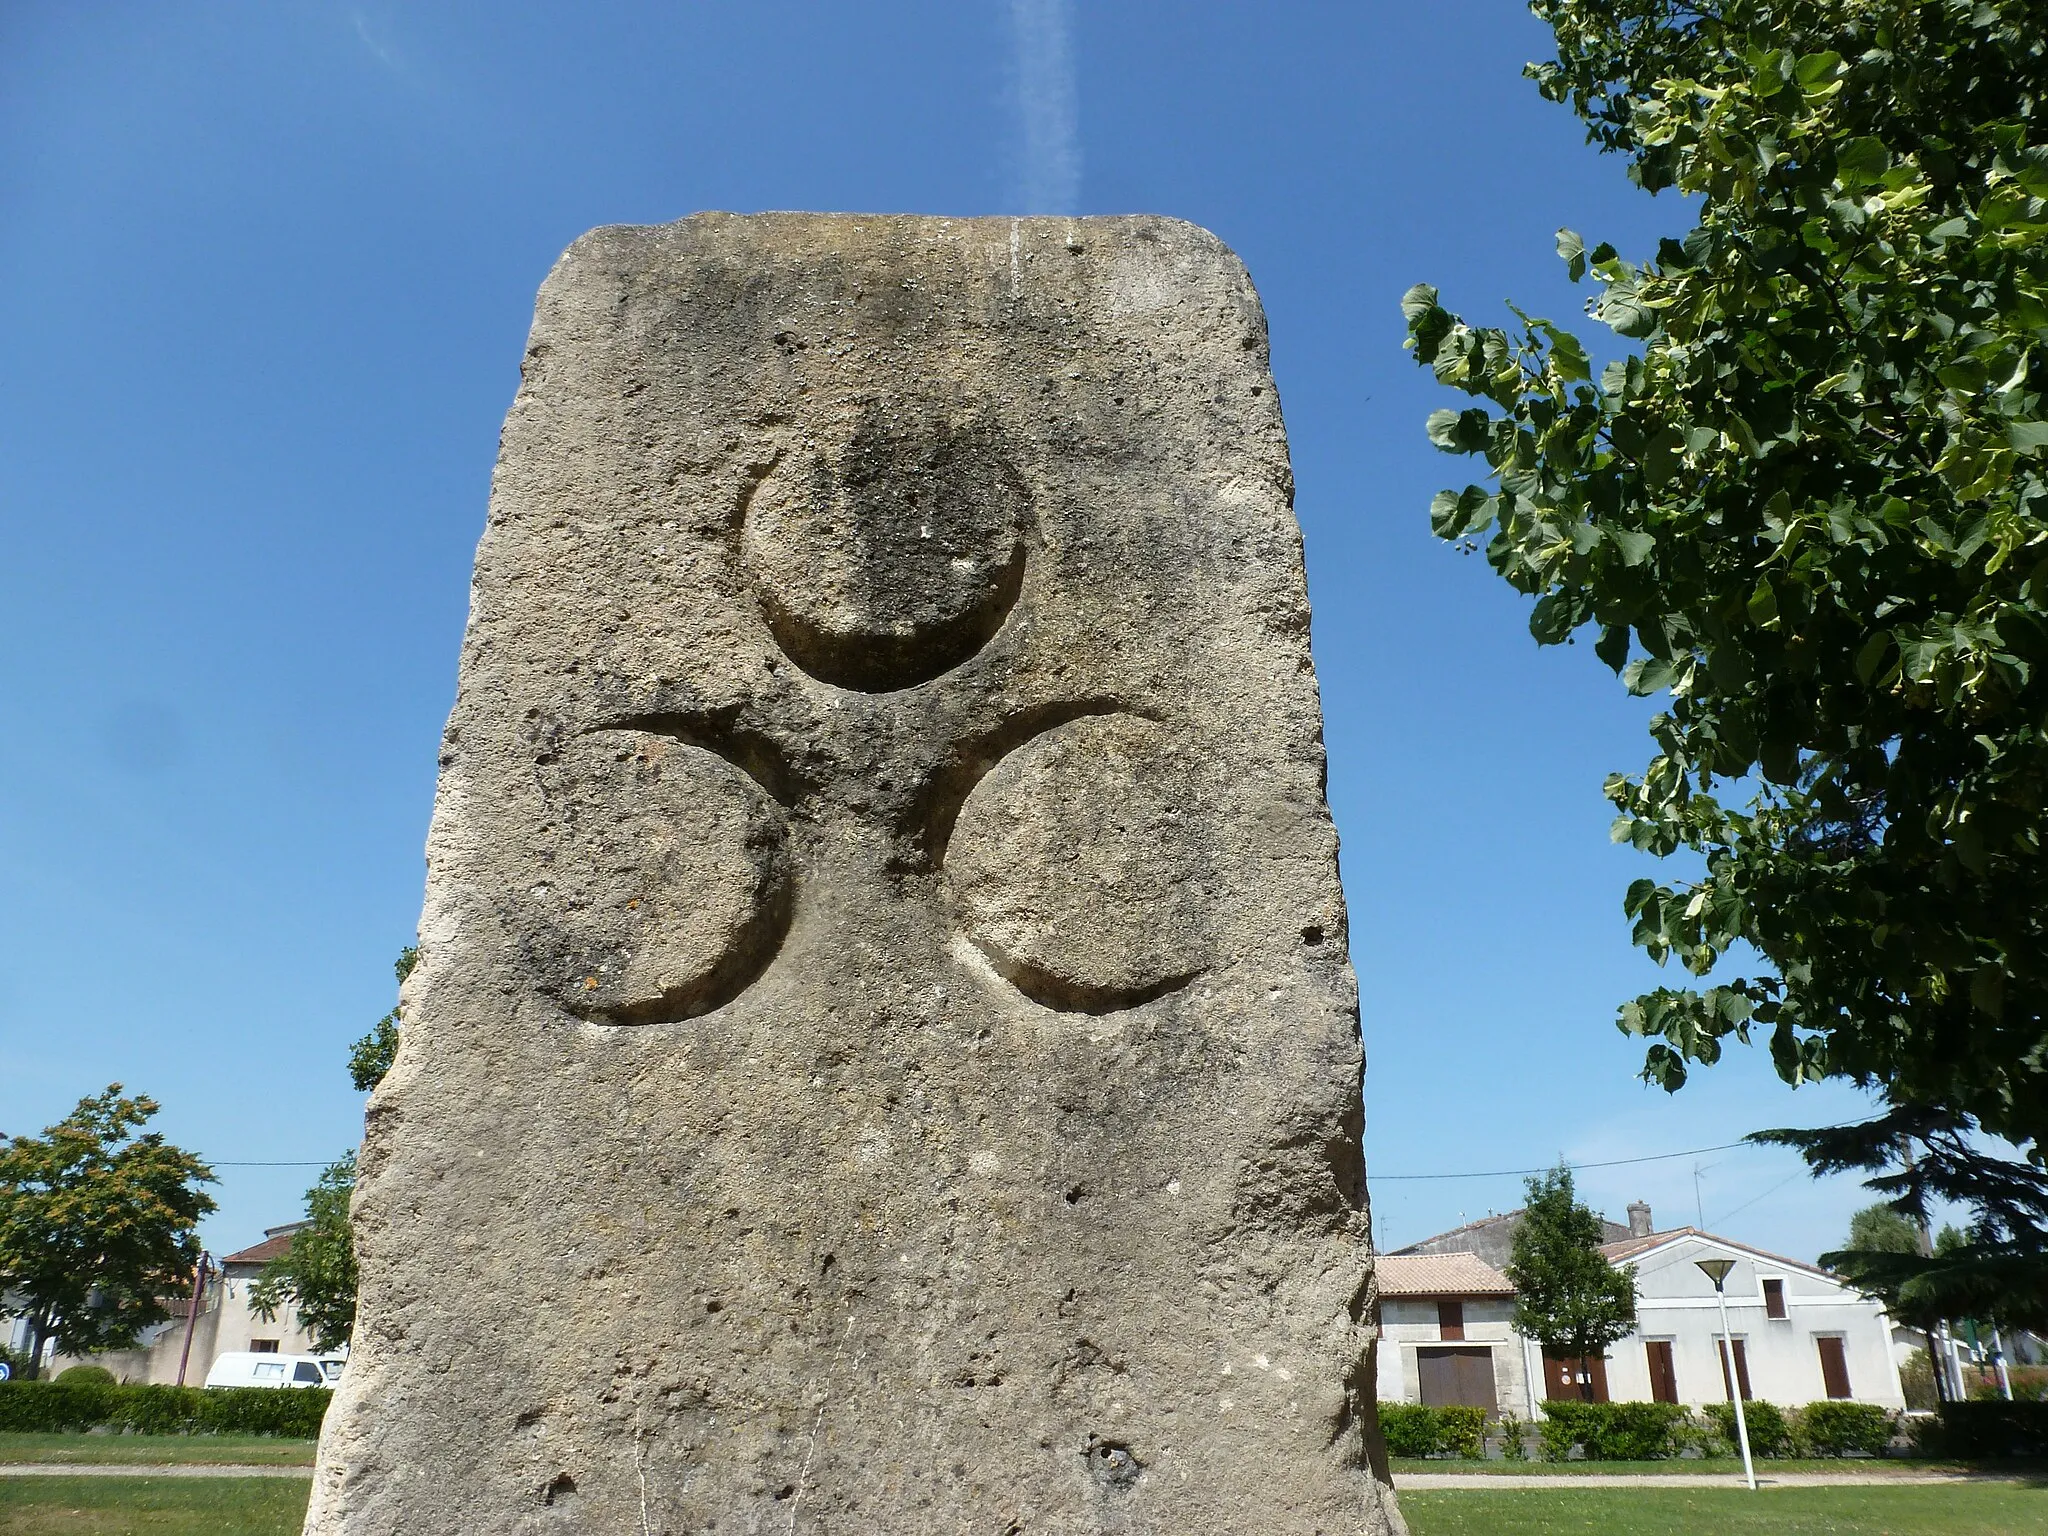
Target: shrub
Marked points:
1837	1428
1994	1431
1461	1432
1770	1432
1410	1429
1612	1431
1512	1446
85	1376
66	1406
2029	1384
1414	1429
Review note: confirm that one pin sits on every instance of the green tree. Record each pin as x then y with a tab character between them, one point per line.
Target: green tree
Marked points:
1568	1298
1880	1229
1811	509
97	1225
371	1057
317	1275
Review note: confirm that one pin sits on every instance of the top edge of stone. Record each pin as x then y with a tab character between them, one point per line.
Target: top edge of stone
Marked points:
796	234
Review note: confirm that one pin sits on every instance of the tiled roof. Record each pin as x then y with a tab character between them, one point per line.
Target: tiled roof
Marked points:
1439	1274
270	1248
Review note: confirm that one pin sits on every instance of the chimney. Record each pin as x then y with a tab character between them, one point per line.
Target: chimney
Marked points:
1639	1218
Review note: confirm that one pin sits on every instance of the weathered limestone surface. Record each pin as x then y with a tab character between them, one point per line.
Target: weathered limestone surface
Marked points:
885	1059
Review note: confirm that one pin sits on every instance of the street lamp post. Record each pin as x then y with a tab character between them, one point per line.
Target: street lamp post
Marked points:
1716	1270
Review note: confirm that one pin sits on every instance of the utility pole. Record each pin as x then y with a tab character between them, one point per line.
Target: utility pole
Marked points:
192	1315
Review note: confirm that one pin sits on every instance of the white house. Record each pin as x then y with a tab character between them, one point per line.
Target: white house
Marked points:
1800	1334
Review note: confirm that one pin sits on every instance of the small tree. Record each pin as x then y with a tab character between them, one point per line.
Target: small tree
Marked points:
317	1274
97	1225
1567	1296
1880	1229
372	1055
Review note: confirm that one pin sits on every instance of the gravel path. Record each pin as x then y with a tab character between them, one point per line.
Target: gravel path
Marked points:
142	1469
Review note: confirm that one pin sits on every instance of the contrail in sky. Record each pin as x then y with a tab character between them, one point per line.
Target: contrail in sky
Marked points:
1046	101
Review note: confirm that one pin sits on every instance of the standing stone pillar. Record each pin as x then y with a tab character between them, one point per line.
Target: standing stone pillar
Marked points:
885	1059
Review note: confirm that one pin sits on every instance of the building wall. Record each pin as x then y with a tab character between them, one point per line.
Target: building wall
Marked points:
1407	1324
1675	1301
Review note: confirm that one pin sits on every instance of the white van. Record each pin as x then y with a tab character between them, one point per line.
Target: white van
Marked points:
241	1369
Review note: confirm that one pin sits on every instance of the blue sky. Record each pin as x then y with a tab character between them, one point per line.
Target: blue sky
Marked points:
265	275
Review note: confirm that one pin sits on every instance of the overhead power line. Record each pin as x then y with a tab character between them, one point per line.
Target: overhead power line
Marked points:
1612	1162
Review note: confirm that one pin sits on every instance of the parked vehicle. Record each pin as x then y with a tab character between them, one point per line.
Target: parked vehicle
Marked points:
241	1369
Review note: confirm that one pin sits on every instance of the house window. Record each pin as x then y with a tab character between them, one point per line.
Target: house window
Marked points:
263	1346
1774	1299
1741	1368
1450	1320
1834	1365
1663	1374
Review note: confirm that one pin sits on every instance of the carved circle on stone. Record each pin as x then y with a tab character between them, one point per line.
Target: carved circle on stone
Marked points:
1079	868
894	559
667	887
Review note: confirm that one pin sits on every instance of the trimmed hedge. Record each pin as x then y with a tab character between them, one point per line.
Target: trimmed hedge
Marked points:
1612	1431
1414	1429
1770	1431
41	1406
1996	1431
1844	1429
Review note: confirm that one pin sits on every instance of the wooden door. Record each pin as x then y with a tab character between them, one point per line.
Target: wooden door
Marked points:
1569	1380
1741	1368
1663	1374
1462	1377
1834	1366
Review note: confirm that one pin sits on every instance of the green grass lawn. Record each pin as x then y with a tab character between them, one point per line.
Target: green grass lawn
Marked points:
1974	1509
1676	1466
151	1506
103	1450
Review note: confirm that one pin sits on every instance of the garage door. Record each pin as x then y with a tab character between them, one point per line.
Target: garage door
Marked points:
1456	1376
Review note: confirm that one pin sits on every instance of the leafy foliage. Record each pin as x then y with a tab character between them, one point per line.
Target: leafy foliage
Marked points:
1770	1430
45	1407
1841	1428
1417	1429
98	1224
1997	1272
371	1057
317	1275
1612	1431
1880	1229
1567	1296
1813	510
1988	1431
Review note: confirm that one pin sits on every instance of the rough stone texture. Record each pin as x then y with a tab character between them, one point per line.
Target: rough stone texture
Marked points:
885	1058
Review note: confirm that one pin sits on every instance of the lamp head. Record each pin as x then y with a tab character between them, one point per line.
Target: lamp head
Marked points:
1716	1269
